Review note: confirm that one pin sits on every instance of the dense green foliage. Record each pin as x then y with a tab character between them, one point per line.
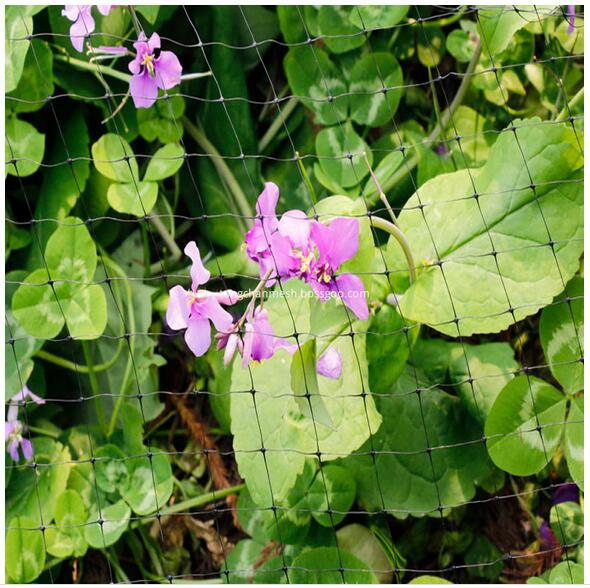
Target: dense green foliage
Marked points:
457	418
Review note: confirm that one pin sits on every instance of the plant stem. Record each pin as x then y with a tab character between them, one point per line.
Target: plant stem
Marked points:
166	237
222	168
94	385
443	22
401	173
306	179
41	431
75	367
91	67
397	234
281	119
564	114
254	296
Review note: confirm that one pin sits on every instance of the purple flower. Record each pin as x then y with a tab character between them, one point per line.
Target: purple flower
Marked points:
330	364
547	537
152	69
13	428
566	493
336	243
277	245
571	17
83	25
193	309
441	151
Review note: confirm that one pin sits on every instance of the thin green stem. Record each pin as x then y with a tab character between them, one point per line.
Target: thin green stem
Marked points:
564	114
306	179
443	22
94	68
45	432
407	167
277	123
94	384
76	367
222	168
166	237
398	235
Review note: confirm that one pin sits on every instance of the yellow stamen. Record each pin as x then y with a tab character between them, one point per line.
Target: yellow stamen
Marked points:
148	62
305	262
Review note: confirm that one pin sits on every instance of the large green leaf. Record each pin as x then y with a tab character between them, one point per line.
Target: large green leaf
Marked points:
401	476
377	16
317	82
497	26
24	145
574	440
165	162
567	522
71	259
443	222
25	550
136	198
67	537
370	74
150	483
339	33
562	335
114	158
515	443
331	495
115	520
341	154
322	565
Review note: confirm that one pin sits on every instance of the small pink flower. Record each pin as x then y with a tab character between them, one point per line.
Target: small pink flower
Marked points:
571	17
81	16
330	364
193	309
13	428
152	69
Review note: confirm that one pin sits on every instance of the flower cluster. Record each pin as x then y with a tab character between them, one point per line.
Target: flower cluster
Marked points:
14	429
298	247
151	68
293	246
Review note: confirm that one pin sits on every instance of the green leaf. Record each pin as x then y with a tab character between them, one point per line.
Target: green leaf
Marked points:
562	336
150	483
482	550
401	477
388	348
385	169
34	493
450	227
321	565
22	142
115	519
71	258
333	489
110	470
25	550
150	13
574	440
514	443
137	198
162	121
460	45
114	159
70	518
36	82
19	24
567	522
165	162
370	74
469	125
367	16
336	27
429	580
362	543
497	26
490	365
292	23
314	78
567	572
340	151
242	562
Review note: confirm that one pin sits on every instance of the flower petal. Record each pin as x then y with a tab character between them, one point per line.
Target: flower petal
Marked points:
230	349
153	42
178	309
323	238
345	239
83	26
198	335
27	448
199	274
352	292
211	309
296	226
104	9
144	89
13	450
330	364
168	70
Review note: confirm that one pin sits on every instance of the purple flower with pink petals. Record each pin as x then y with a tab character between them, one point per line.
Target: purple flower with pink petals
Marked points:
152	69
329	364
83	21
571	17
566	493
194	309
14	429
